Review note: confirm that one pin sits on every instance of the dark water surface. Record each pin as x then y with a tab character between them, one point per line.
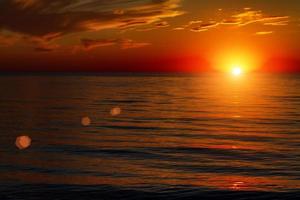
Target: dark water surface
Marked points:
177	137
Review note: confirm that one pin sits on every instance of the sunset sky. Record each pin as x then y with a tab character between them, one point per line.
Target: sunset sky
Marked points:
149	35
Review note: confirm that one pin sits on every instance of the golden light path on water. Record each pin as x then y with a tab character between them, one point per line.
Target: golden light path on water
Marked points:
214	131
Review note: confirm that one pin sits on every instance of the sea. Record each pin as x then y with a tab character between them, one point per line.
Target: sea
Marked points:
174	136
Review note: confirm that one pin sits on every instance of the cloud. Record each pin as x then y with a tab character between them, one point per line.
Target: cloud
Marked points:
278	23
162	24
252	16
130	44
8	39
23	4
45	48
246	17
42	17
157	25
209	25
194	22
179	28
230	22
205	26
89	44
40	23
190	23
198	29
263	32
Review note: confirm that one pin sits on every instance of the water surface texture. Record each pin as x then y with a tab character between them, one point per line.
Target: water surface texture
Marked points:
176	136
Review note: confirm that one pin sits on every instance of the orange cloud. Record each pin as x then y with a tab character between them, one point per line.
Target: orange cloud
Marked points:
204	26
162	24
89	44
264	33
279	23
244	18
194	22
178	28
252	16
198	29
130	44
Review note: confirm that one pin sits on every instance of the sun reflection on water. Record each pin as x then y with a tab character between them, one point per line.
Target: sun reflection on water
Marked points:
212	132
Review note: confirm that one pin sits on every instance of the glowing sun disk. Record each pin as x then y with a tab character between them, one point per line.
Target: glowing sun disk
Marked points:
236	71
237	61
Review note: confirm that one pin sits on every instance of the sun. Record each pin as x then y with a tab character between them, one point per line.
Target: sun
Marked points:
236	62
236	71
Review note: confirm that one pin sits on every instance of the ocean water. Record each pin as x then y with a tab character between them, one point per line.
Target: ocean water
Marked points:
177	137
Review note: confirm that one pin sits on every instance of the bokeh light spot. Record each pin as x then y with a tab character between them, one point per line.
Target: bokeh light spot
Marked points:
23	142
86	121
115	111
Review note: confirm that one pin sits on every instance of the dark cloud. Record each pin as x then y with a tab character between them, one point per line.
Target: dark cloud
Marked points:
7	39
91	44
58	17
44	49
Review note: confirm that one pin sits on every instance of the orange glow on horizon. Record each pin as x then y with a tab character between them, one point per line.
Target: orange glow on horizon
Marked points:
236	61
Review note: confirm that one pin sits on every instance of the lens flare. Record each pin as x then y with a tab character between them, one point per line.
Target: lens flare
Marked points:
23	142
86	121
115	111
